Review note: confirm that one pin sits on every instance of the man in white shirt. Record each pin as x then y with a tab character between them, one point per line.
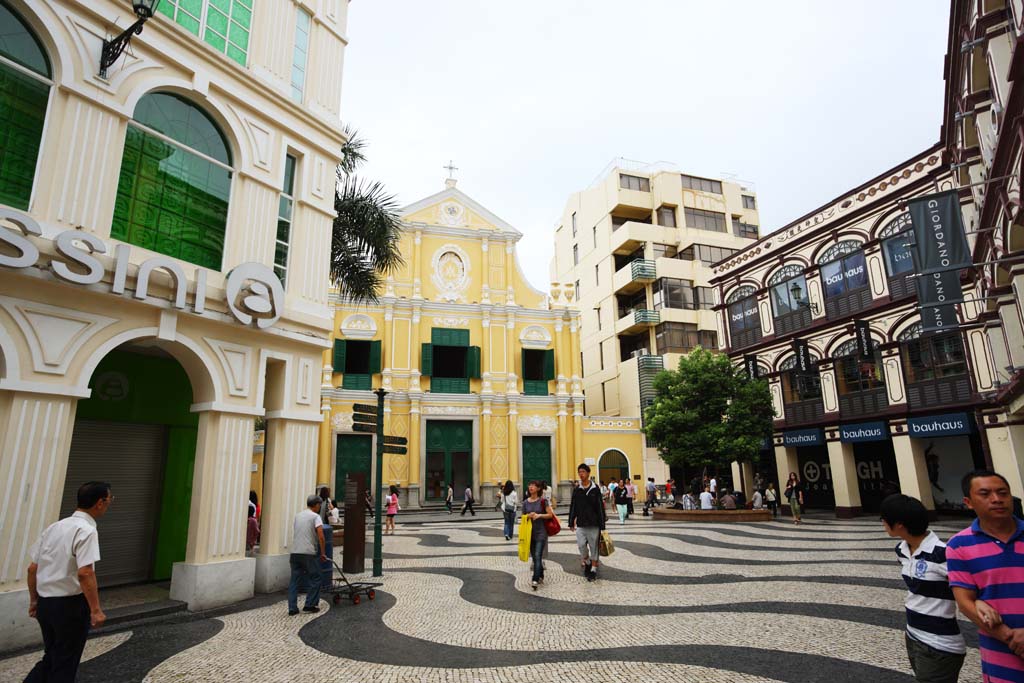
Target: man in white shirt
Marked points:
307	544
714	487
63	595
707	501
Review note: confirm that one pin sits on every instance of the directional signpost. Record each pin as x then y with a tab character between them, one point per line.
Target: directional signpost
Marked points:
370	418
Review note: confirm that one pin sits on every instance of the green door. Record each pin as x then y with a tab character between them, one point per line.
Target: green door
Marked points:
449	458
353	455
536	459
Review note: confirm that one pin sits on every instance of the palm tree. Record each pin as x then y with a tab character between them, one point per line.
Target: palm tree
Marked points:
367	230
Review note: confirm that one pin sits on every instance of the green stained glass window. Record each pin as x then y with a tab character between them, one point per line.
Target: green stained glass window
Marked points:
175	182
223	24
24	92
285	206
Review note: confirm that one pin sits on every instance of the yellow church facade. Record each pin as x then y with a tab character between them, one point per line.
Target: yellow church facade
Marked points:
482	370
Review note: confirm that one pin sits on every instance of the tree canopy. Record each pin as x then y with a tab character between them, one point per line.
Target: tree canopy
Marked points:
367	229
707	412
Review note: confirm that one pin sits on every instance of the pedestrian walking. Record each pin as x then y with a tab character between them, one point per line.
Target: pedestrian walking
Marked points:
392	510
986	574
252	530
713	484
307	544
606	495
467	497
536	507
935	647
707	500
63	595
254	504
669	483
548	494
652	494
509	501
368	501
622	502
795	495
586	518
448	496
771	498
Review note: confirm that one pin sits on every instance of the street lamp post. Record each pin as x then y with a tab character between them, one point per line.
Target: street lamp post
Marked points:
378	556
114	48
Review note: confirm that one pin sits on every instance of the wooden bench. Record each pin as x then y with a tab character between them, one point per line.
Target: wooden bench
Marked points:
713	515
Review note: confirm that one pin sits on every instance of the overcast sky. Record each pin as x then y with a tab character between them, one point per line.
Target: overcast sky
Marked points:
533	98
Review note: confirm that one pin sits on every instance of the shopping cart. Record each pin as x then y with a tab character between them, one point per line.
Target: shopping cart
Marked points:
341	587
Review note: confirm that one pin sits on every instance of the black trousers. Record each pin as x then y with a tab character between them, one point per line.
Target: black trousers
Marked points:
65	626
468	506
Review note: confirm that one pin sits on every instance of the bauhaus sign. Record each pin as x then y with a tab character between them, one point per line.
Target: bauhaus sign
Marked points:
864	431
949	424
253	293
803	437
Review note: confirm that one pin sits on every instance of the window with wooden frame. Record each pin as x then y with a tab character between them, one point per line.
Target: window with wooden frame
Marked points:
450	361
538	370
357	361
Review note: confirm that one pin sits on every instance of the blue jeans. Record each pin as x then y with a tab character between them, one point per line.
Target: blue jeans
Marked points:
305	567
537	552
510	522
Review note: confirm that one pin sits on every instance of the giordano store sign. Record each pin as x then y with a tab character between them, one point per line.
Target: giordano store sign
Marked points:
253	293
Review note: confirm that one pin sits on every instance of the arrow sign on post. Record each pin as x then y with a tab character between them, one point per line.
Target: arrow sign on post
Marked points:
395	440
364	419
397	450
364	408
369	429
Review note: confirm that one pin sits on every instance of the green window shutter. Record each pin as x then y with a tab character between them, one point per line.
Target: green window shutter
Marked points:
549	364
427	360
375	363
354	381
460	338
473	362
339	355
440	336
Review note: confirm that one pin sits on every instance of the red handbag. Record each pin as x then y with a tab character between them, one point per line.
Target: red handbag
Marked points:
552	525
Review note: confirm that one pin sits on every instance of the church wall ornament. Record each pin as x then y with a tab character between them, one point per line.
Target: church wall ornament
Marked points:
537	424
450	272
359	326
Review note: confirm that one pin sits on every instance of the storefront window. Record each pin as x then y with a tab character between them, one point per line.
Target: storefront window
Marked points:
843	269
23	99
172	197
797	387
855	374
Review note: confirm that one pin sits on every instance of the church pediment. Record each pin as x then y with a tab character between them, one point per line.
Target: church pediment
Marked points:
453	208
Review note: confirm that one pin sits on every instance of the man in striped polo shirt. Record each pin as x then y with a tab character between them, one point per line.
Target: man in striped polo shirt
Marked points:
986	563
934	644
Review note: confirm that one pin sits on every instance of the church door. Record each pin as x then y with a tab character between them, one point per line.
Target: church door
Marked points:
536	460
354	455
449	458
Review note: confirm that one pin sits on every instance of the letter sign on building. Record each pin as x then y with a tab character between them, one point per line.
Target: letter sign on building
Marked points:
950	424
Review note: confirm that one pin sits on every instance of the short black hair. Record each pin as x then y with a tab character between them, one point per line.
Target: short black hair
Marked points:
902	509
584	466
965	483
92	492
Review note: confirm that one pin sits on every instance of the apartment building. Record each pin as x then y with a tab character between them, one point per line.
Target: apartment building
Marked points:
638	246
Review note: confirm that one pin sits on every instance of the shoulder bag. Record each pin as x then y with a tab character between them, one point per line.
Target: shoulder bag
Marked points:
552	526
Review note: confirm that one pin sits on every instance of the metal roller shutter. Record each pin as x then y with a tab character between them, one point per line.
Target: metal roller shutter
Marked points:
131	458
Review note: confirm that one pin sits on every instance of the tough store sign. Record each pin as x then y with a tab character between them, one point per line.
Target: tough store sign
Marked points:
253	293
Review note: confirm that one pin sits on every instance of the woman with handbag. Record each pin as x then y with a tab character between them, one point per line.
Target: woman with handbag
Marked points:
536	508
509	501
392	510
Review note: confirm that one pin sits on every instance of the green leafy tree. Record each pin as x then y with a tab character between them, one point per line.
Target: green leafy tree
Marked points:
707	413
367	228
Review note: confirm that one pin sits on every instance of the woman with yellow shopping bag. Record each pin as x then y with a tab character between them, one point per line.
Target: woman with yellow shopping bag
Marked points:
535	512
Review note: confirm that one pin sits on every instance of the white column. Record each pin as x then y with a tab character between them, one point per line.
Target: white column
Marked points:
912	469
844	478
216	571
290	476
35	438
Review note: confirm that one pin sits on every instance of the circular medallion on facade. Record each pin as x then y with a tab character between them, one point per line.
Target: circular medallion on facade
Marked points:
451	272
451	213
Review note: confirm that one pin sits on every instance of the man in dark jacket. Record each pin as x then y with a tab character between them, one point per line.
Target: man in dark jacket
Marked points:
586	518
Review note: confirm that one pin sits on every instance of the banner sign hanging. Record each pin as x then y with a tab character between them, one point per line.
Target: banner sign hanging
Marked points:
803	357
865	347
750	365
939	237
937	296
